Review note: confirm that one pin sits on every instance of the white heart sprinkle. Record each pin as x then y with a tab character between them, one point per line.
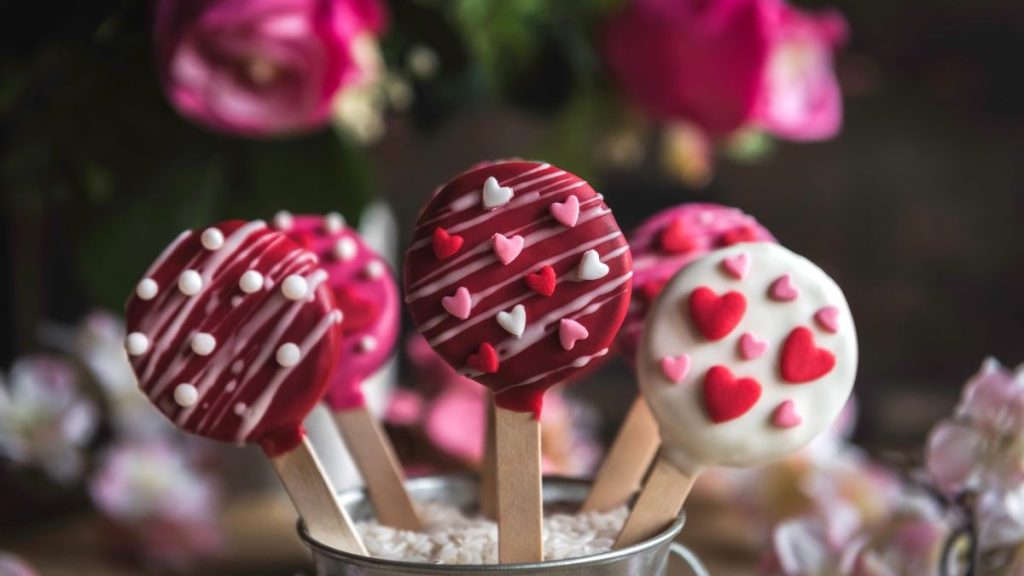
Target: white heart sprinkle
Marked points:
212	239
345	249
147	289
591	267
186	395
251	281
136	344
495	195
294	287
288	354
190	282
203	344
514	321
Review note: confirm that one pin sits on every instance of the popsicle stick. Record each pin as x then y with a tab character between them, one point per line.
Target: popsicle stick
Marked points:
314	498
628	460
520	505
377	463
488	473
658	505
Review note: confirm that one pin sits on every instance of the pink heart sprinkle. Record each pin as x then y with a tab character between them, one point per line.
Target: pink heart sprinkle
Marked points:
459	304
569	331
751	346
828	317
783	289
567	212
737	265
786	416
507	249
675	368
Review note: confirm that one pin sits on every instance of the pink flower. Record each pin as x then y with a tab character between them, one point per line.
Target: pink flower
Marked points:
724	65
261	67
800	97
696	60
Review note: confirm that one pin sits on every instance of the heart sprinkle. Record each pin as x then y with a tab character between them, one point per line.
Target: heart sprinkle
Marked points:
567	212
514	321
495	195
507	249
445	245
458	304
569	331
591	267
785	415
485	360
738	265
802	360
716	316
675	368
783	289
828	318
751	346
727	397
542	282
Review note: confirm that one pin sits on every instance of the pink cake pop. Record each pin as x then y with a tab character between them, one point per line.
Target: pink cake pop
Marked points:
519	276
232	335
366	293
671	239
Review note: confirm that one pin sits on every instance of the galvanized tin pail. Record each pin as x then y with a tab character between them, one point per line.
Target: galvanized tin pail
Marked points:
648	558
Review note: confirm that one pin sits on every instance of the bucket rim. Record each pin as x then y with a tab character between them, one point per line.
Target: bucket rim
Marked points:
659	539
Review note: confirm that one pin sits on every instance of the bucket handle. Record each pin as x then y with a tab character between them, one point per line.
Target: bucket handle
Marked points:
686	555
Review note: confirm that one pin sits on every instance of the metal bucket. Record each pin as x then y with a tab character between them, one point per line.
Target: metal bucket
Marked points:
648	558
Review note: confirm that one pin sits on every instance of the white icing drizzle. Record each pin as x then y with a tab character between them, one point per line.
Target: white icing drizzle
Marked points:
147	289
259	408
578	362
471	198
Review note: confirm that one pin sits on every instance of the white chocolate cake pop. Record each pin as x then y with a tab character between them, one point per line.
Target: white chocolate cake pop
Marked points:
747	355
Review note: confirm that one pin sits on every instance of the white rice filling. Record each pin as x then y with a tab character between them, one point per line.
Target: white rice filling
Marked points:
452	538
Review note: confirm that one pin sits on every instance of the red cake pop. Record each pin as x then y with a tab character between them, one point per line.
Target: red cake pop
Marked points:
518	276
232	335
367	294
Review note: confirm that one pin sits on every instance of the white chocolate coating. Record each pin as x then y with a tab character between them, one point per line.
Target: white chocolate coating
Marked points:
691	439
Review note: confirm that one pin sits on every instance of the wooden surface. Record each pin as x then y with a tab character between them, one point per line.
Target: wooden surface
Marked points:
658	505
627	461
378	464
311	492
488	466
520	508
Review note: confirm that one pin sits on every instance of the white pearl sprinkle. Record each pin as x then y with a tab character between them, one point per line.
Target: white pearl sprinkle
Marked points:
203	343
334	222
186	395
283	220
212	239
251	281
367	343
374	270
136	344
288	354
294	287
345	249
147	289
190	282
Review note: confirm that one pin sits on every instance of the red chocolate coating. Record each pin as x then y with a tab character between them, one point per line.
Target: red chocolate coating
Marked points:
526	365
244	394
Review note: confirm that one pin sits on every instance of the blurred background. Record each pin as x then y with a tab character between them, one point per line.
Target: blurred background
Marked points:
879	139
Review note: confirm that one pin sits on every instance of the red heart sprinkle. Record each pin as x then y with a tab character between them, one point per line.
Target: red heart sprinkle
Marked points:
802	360
650	290
738	235
358	311
676	239
716	316
542	282
445	245
485	360
727	397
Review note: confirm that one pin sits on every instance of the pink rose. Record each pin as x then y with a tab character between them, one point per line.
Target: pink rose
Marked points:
696	60
800	97
260	67
724	65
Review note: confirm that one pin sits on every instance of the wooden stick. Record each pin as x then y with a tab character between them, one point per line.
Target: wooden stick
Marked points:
488	473
520	504
314	497
379	466
627	462
658	506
